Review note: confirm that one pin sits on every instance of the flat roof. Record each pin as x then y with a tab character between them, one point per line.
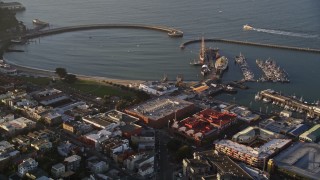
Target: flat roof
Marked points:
263	151
160	107
301	158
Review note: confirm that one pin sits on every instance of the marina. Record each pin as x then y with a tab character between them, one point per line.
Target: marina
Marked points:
272	72
289	103
247	73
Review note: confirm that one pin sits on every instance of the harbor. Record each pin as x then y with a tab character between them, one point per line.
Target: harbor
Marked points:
289	103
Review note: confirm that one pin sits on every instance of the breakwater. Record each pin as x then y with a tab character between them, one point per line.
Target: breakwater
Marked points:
183	45
171	31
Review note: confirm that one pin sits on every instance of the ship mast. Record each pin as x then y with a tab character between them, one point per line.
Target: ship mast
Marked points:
202	51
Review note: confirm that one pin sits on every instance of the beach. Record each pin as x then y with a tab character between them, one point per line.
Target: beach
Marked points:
47	73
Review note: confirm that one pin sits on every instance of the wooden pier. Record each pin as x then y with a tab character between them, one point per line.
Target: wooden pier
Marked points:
183	45
285	101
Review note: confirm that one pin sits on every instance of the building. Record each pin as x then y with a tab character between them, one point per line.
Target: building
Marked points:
72	162
14	6
157	88
203	124
146	140
312	135
257	156
212	164
77	127
146	169
113	119
6	68
17	125
299	161
7	151
157	112
97	166
41	145
251	134
115	145
52	97
26	166
244	114
282	125
97	137
57	170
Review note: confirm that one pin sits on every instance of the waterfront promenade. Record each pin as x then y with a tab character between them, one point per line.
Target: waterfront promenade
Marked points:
168	30
183	45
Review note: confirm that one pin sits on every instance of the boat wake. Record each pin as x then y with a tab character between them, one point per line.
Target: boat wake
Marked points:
286	33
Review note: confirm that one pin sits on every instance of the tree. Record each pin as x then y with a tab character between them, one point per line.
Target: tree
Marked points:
173	145
184	152
70	78
61	72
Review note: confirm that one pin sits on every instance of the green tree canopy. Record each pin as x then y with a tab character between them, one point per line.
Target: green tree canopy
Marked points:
70	78
61	72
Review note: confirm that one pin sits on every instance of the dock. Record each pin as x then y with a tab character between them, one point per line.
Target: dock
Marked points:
289	103
183	45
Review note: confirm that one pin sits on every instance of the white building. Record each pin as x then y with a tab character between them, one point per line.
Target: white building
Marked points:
26	166
157	88
6	68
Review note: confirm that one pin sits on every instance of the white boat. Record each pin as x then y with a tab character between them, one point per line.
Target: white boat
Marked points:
38	22
247	27
221	63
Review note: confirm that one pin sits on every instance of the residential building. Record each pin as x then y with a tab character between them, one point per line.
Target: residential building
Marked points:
17	125
257	156
72	162
41	145
77	127
57	170
26	166
97	166
146	169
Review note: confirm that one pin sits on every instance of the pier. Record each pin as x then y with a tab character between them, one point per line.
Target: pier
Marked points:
170	31
289	103
183	45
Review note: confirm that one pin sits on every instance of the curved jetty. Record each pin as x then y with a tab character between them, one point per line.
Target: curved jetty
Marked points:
170	31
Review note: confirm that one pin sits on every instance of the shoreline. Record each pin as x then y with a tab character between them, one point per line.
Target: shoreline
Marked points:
47	73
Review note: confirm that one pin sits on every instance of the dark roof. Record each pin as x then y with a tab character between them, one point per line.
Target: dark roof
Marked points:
299	130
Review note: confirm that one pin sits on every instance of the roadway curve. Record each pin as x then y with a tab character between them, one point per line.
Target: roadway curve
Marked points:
100	26
183	45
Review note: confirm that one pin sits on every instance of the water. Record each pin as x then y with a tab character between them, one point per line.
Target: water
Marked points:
147	55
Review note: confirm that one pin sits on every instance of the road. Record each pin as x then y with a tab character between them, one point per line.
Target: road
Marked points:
164	167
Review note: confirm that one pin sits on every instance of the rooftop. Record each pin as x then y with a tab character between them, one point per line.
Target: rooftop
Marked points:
302	158
160	107
263	151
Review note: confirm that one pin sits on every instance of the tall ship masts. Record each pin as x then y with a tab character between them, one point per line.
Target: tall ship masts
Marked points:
202	51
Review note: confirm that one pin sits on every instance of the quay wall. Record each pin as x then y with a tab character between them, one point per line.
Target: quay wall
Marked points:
183	45
312	110
97	26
